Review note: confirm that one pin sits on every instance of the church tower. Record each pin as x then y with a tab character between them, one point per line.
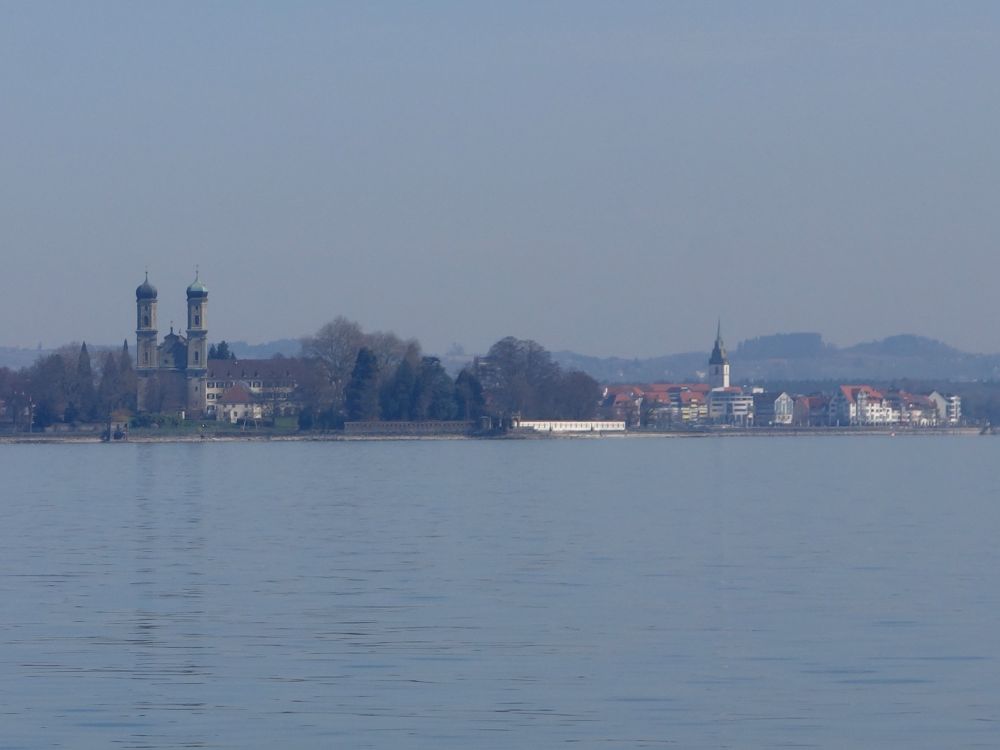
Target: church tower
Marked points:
145	326
197	325
718	363
197	344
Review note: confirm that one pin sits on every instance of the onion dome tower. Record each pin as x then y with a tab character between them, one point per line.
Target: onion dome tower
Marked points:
145	326
197	324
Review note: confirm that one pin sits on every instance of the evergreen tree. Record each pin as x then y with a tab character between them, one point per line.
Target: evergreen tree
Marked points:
85	397
434	393
48	386
220	351
110	394
397	394
128	383
469	401
361	395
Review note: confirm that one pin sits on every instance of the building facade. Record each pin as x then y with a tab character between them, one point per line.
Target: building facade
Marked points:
272	384
171	373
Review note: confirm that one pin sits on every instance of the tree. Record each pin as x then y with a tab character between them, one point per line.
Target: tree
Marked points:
469	401
334	347
83	398
48	385
15	393
389	349
434	394
523	379
396	396
578	397
361	394
128	382
109	392
220	351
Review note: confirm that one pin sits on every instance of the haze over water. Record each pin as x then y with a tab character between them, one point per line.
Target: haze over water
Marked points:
703	593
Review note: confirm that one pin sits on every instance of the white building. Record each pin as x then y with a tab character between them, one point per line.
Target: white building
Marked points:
772	409
861	405
730	406
568	426
949	407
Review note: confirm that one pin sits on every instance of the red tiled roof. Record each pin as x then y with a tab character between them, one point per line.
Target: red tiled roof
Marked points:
690	397
238	394
659	397
851	392
286	368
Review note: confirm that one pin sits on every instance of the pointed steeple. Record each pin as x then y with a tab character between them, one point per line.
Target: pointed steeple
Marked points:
719	356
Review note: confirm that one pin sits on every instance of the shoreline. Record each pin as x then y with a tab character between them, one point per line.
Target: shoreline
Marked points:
800	432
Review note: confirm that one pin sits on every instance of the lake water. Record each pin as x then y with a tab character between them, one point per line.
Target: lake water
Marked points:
611	593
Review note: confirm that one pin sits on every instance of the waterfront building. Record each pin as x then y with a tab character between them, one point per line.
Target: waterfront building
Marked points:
622	403
273	383
861	405
237	404
171	374
811	411
914	410
557	426
772	409
949	407
730	406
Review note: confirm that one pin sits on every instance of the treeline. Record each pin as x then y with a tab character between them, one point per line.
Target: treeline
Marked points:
66	387
354	376
362	376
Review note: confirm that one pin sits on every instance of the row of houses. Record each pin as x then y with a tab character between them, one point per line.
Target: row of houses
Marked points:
667	405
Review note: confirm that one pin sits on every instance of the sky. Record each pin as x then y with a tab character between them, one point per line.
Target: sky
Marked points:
606	177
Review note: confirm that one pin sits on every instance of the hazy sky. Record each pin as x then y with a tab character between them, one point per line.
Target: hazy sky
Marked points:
606	177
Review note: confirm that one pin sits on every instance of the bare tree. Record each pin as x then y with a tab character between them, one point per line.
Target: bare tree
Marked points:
335	348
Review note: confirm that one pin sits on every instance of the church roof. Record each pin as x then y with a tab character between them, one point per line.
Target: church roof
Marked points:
238	394
145	290
719	356
285	368
197	288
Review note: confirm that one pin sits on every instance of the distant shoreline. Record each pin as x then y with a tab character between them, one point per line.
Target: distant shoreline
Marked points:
89	439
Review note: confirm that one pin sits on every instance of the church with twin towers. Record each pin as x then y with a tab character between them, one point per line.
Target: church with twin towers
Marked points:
172	372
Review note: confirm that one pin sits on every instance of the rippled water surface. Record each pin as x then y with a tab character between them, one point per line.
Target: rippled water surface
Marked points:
610	593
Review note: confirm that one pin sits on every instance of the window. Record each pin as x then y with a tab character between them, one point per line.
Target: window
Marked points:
196	355
197	320
145	321
145	357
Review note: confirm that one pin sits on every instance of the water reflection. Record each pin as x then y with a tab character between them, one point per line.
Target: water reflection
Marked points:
167	640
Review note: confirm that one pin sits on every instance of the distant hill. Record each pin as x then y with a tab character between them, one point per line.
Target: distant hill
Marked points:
906	345
284	347
788	357
780	357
